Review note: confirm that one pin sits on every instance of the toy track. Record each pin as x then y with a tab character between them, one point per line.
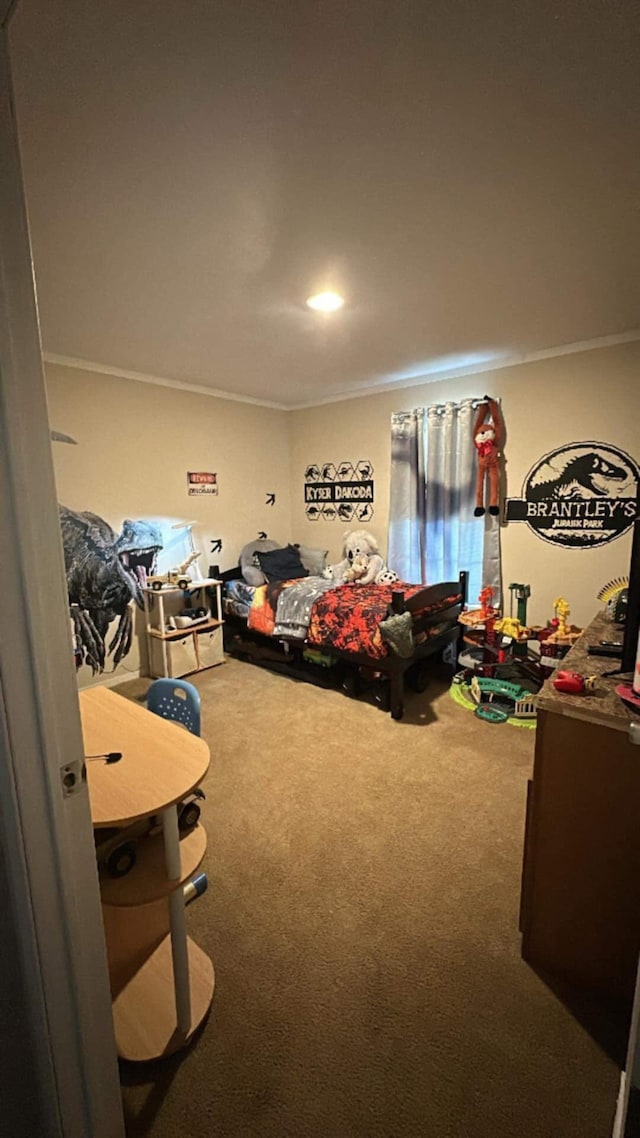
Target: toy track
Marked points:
502	687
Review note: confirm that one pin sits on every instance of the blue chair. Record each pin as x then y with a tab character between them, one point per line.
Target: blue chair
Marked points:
177	700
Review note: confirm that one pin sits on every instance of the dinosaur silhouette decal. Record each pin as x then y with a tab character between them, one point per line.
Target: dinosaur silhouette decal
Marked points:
341	491
581	495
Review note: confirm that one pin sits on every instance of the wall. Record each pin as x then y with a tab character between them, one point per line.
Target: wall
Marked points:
587	395
137	441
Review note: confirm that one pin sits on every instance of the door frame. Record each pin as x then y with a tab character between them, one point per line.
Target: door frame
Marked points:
52	896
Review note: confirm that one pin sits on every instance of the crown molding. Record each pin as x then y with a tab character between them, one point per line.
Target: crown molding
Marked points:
378	388
374	388
141	377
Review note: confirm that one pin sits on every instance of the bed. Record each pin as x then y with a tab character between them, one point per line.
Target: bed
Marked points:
336	634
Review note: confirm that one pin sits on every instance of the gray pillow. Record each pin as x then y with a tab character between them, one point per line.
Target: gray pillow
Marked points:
314	560
398	632
249	564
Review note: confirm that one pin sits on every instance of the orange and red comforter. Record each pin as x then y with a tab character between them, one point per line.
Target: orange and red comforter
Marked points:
346	618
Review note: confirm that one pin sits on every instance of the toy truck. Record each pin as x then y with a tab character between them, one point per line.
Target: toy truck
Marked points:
116	849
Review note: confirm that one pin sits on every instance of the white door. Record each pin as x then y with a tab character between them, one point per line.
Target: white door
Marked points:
58	1068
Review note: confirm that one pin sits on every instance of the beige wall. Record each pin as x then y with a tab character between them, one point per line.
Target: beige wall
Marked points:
137	441
589	395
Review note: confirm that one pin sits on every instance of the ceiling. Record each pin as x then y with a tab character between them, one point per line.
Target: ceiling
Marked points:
468	175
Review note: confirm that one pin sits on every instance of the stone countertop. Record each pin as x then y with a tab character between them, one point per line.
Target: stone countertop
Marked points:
603	706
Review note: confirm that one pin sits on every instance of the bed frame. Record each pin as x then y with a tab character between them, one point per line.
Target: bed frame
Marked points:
286	654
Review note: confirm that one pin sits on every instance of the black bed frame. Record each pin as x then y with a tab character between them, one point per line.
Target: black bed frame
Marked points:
286	654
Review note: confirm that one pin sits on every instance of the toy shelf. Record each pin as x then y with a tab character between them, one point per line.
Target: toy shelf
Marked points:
148	880
180	633
180	651
202	583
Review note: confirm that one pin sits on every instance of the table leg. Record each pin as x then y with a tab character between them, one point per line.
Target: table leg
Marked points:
177	921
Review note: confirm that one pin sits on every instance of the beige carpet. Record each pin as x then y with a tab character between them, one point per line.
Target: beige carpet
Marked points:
362	914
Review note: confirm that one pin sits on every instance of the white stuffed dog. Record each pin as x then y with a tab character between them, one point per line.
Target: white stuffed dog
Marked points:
360	544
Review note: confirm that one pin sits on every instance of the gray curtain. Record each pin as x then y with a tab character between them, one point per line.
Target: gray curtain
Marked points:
432	531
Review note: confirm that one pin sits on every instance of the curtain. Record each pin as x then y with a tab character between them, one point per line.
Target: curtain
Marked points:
432	531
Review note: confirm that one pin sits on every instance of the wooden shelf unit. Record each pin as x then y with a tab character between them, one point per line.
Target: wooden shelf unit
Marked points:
161	982
143	1013
148	881
178	633
180	651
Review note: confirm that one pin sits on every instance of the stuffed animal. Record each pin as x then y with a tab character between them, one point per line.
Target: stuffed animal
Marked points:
357	568
359	545
336	572
488	438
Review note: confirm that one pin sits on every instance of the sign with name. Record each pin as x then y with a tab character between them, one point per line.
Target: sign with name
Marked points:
342	492
200	482
579	496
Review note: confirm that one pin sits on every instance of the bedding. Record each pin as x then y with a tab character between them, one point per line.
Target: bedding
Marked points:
296	625
282	564
237	599
331	615
315	560
249	564
263	613
295	604
348	619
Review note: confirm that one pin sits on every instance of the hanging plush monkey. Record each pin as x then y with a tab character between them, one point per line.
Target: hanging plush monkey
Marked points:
488	437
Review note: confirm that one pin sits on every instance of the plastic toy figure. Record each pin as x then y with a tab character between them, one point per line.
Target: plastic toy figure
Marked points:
510	626
485	599
573	683
488	437
562	611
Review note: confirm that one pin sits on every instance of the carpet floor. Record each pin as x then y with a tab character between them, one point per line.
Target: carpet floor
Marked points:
362	915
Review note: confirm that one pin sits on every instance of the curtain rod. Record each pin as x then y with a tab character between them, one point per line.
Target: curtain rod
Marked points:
440	408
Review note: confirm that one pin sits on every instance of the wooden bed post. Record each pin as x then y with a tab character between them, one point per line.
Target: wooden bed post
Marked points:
396	689
464	589
464	586
397	601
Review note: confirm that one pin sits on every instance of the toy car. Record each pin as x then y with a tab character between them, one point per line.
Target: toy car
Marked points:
116	849
172	578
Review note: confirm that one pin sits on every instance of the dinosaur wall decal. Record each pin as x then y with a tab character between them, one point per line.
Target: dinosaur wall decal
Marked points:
105	573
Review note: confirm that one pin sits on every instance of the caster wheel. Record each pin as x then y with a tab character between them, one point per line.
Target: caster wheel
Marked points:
397	712
121	860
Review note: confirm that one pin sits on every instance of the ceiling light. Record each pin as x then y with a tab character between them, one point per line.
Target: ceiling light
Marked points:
325	302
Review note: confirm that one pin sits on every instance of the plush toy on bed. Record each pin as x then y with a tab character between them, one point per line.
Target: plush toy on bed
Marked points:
357	569
362	562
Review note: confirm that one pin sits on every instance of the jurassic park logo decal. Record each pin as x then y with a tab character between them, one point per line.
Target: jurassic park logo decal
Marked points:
580	496
343	491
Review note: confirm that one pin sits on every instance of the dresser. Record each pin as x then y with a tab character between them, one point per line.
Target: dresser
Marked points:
580	900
